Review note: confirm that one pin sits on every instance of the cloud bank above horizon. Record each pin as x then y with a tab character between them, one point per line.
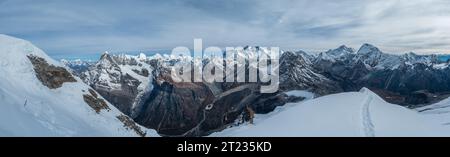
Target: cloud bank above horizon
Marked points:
86	27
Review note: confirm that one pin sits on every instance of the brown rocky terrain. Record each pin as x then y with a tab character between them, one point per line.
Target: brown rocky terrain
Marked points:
50	75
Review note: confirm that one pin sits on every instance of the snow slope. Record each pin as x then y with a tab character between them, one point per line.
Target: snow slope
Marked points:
439	112
360	114
28	108
301	93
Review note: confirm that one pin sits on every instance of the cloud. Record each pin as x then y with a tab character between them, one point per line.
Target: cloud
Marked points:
86	27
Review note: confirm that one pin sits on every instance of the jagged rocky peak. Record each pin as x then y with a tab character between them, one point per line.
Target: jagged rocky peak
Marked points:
346	48
78	66
370	54
157	56
105	55
255	49
142	57
324	57
304	54
121	79
413	58
410	56
297	73
368	49
119	59
106	61
340	51
299	57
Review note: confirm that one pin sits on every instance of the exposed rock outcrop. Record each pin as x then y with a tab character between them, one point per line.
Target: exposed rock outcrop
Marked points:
51	76
130	124
95	102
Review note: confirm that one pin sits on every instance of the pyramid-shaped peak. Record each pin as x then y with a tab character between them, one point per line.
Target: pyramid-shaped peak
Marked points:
344	47
142	56
368	48
104	55
340	51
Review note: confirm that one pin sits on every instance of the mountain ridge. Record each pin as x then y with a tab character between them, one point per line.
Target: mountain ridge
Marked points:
335	71
41	98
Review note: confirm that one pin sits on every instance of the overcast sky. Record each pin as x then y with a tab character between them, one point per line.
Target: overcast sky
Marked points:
87	27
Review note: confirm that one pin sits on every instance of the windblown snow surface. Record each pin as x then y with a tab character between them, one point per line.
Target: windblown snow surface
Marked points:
28	108
360	114
439	112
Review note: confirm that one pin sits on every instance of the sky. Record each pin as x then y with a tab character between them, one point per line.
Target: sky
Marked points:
86	27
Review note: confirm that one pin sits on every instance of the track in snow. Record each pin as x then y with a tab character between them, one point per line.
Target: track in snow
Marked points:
368	127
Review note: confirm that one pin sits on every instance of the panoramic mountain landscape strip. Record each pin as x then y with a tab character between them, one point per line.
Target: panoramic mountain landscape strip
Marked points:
224	76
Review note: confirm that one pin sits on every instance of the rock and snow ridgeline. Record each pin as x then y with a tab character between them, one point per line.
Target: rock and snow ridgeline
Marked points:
34	104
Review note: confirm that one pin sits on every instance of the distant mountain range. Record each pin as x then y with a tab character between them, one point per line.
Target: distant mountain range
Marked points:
140	86
340	92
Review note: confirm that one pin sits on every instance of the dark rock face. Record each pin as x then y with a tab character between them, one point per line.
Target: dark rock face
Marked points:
418	84
297	73
143	72
96	103
346	74
174	108
123	97
51	76
130	124
115	85
418	97
196	109
408	79
182	109
226	108
231	104
191	109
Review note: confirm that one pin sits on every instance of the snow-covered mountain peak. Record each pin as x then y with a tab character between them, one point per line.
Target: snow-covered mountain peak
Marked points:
255	48
345	47
370	55
323	56
106	61
298	56
105	55
413	58
340	51
142	57
368	49
157	56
